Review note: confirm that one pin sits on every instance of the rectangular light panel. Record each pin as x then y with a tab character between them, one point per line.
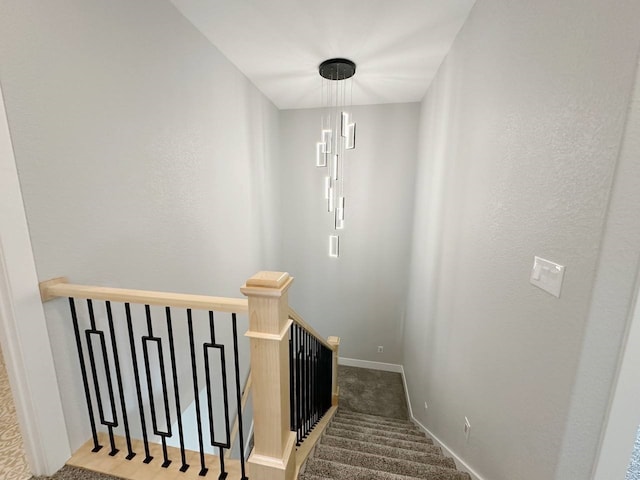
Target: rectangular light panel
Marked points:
334	246
321	158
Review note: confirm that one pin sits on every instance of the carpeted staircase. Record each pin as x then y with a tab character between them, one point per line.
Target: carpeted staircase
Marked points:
356	446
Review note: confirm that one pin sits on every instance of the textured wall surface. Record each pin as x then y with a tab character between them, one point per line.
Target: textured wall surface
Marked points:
141	153
519	140
612	307
359	296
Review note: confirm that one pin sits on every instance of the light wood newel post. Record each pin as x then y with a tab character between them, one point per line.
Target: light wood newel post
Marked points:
335	389
273	456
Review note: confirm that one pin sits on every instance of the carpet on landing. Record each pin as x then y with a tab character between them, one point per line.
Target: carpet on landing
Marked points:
74	473
372	392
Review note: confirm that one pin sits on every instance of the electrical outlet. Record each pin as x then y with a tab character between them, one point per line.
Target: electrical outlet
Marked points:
426	406
467	428
380	349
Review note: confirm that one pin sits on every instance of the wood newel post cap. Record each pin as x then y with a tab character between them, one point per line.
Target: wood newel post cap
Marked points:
334	341
267	284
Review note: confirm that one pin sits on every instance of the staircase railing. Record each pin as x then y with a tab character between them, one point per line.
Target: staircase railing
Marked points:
293	379
272	328
310	377
137	350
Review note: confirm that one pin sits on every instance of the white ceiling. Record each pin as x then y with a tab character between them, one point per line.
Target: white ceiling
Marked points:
397	45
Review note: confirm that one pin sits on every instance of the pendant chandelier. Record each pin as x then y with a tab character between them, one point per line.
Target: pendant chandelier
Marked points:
338	136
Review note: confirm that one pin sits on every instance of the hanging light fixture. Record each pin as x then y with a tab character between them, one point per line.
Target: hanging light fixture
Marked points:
337	136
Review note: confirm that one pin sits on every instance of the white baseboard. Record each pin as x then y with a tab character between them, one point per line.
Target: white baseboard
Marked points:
460	464
385	367
406	393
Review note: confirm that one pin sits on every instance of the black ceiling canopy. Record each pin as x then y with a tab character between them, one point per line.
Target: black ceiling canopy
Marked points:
337	69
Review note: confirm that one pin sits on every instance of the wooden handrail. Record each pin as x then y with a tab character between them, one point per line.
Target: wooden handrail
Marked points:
293	315
59	287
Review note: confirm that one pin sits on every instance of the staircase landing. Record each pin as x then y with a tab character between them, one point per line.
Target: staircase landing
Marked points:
135	469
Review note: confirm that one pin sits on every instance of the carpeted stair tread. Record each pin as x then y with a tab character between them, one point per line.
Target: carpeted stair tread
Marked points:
306	476
382	432
373	418
346	422
381	440
394	422
341	471
382	463
433	457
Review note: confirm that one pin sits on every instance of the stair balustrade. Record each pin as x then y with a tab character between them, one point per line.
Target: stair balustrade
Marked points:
310	372
139	375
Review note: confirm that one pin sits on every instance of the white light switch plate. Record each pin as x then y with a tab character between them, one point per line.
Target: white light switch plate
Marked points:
547	275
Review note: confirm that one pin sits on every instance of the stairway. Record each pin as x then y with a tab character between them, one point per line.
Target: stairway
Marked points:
356	446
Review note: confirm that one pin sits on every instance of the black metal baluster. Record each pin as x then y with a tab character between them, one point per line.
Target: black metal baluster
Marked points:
136	375
327	384
303	388
196	393
321	390
307	385
238	395
296	383
145	341
314	396
176	390
227	443
319	395
311	382
116	358
307	367
311	378
94	331
83	371
320	380
296	342
325	388
329	378
318	384
292	395
301	384
311	374
314	385
323	366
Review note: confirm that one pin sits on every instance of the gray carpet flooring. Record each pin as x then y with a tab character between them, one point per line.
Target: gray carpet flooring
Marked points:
368	447
633	473
73	473
370	438
372	392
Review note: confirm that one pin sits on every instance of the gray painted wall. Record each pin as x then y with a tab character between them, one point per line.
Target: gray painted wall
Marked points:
141	153
612	304
359	296
519	140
